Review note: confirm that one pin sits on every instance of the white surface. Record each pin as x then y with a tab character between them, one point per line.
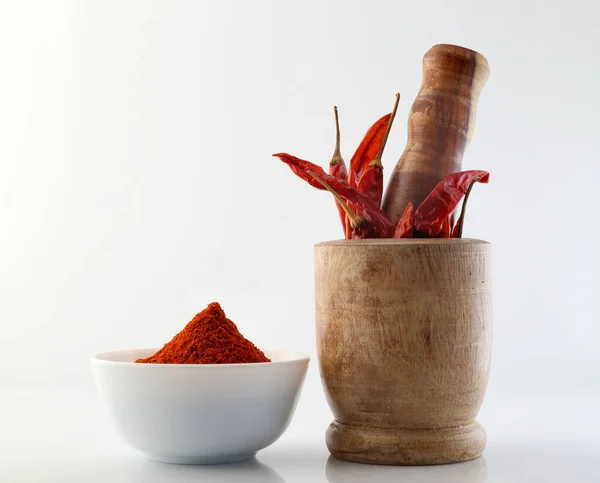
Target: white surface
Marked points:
198	414
63	435
136	186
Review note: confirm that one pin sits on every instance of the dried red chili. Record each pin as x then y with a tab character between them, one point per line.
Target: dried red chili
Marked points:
361	193
300	167
404	228
380	226
431	215
370	180
367	149
446	230
209	338
358	224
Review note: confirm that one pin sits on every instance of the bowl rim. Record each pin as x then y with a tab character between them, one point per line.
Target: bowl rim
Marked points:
100	359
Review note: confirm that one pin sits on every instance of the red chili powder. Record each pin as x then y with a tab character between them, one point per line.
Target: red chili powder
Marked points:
209	338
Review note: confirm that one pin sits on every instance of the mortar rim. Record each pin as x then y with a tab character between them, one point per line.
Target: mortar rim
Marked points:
403	241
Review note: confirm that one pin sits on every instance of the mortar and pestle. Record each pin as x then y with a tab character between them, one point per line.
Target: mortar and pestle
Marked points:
404	326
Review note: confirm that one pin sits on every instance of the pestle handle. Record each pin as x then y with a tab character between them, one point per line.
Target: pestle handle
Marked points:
440	125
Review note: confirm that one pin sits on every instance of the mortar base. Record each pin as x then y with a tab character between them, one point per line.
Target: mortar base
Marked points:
394	446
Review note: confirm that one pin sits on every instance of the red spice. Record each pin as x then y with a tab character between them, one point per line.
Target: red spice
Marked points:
209	338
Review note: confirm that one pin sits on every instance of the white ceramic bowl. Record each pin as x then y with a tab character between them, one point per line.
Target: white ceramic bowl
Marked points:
199	413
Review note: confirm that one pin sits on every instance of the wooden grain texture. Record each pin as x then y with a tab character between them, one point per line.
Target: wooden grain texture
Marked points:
440	125
404	332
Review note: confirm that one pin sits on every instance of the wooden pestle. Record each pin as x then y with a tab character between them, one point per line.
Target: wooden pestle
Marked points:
440	125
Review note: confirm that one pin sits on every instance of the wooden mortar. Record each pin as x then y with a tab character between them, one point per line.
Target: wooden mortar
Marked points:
404	332
441	123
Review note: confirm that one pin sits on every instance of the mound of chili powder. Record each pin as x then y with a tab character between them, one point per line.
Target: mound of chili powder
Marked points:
209	338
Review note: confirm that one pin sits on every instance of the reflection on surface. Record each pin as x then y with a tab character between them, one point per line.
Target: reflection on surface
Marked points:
338	471
251	471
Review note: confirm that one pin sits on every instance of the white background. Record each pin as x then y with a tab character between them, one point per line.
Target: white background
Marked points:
137	184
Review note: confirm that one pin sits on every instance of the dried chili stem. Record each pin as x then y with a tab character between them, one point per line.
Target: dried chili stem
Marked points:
355	219
463	209
377	160
337	156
